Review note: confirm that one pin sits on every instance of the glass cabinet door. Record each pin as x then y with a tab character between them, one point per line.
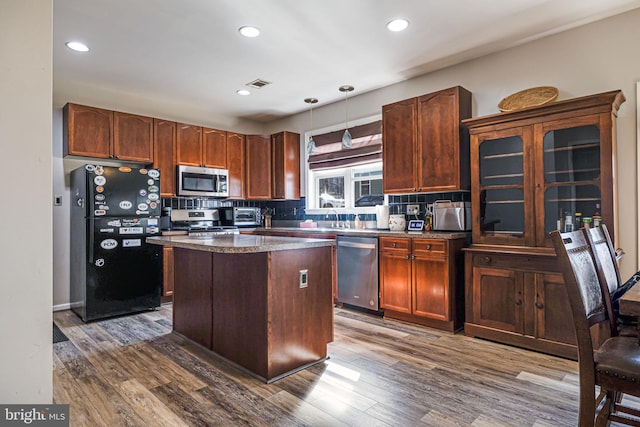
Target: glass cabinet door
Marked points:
503	188
571	190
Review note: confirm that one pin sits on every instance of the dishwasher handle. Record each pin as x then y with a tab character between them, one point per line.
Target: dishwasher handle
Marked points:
357	245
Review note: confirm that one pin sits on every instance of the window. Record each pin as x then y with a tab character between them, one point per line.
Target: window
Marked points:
356	188
346	179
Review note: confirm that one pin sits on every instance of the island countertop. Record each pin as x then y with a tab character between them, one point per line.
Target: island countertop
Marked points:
239	243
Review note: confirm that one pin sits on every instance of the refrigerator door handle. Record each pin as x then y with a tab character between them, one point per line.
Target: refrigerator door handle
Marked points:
91	238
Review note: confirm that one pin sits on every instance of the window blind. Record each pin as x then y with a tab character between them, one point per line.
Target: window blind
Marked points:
366	147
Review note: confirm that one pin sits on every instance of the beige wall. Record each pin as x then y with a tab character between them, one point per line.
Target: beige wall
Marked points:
25	179
598	57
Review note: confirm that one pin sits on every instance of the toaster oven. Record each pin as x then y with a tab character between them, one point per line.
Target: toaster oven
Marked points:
240	216
451	216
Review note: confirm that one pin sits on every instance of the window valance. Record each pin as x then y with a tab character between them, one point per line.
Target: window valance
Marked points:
366	147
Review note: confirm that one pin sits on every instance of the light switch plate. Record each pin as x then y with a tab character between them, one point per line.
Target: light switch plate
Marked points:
304	278
413	209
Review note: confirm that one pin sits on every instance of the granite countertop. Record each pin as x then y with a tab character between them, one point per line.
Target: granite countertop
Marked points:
239	243
447	235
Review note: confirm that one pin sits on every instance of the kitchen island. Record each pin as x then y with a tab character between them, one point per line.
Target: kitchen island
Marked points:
263	303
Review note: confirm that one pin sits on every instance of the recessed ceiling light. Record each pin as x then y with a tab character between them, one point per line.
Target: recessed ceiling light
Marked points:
77	46
397	24
243	92
249	31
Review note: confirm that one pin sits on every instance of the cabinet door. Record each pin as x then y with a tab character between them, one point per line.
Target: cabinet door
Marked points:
442	144
132	137
235	164
430	278
573	172
189	145
285	166
498	298
214	148
553	318
395	281
164	155
88	131
167	271
399	124
502	171
258	158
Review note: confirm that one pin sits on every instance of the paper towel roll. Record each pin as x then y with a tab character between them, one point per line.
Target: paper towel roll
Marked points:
382	217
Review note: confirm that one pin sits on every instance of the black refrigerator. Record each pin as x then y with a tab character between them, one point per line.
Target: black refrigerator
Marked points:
114	271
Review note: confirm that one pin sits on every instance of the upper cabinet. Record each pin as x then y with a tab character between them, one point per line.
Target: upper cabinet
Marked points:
98	133
258	164
164	145
236	165
285	152
536	167
203	147
132	137
425	148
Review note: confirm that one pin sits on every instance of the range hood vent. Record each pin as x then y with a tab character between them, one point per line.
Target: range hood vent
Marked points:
258	83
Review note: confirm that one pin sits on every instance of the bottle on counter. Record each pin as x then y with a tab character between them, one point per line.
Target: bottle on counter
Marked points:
357	222
586	222
578	221
560	222
568	223
597	218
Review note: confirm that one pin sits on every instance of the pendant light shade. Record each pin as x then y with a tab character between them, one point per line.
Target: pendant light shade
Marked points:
311	144
346	137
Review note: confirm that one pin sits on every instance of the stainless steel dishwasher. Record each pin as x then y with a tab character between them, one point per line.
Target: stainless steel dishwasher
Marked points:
358	271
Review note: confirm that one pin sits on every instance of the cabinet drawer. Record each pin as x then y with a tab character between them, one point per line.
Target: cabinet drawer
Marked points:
533	263
428	247
391	244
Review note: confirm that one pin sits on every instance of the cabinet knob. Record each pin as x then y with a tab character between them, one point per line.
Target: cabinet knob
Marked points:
394	244
539	305
406	257
116	157
519	302
428	247
487	259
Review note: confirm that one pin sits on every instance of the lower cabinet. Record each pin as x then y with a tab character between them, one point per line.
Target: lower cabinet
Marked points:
518	299
421	281
167	271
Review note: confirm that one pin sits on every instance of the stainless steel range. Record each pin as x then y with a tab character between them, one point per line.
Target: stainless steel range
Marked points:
200	222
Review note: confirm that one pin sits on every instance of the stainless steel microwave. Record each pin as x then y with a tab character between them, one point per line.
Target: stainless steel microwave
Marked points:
203	182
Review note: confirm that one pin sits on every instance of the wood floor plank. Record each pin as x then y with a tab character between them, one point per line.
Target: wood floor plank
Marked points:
379	372
147	405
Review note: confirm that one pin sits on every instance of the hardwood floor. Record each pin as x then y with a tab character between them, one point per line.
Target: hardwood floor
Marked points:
133	371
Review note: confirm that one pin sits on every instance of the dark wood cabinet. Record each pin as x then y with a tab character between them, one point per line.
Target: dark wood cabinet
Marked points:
164	146
425	148
88	131
530	169
167	271
189	145
132	137
200	146
236	165
105	134
421	281
519	299
258	167
285	163
214	148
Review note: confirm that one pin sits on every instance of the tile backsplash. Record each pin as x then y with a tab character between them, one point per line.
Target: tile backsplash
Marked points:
294	210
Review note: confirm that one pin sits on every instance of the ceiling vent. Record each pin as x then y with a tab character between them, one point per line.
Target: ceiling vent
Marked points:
258	83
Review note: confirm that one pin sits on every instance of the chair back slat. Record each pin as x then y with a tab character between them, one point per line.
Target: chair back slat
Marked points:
605	256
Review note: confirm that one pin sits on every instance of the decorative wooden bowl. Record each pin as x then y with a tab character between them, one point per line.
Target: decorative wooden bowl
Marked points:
532	97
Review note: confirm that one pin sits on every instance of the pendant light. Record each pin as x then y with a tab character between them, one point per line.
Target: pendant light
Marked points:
346	137
311	144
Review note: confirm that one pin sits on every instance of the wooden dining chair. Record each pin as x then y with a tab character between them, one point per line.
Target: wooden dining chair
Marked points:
604	256
615	365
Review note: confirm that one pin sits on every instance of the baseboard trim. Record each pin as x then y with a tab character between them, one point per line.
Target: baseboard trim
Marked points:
61	307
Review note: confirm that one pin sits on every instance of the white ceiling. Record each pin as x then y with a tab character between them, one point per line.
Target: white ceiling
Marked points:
189	52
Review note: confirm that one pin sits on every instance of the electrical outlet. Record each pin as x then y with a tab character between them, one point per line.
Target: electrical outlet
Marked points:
413	209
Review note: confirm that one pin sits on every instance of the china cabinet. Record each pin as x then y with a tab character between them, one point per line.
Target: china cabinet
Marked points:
533	171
